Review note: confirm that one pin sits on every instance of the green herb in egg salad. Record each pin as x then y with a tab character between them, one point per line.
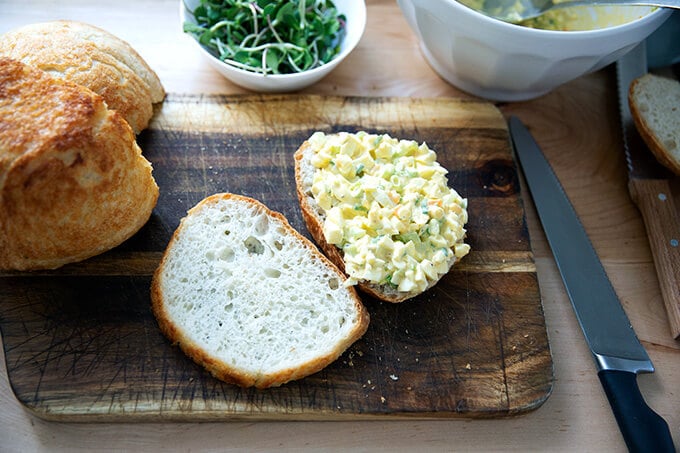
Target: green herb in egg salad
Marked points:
269	36
388	206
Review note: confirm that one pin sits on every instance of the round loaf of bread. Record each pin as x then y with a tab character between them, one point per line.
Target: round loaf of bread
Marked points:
246	296
91	57
73	182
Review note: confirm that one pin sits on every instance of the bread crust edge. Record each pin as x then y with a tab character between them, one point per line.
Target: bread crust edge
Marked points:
655	146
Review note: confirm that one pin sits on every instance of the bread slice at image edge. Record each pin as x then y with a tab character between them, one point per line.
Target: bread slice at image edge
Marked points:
243	294
655	106
314	217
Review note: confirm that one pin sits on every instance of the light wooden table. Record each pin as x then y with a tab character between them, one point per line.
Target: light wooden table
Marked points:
577	127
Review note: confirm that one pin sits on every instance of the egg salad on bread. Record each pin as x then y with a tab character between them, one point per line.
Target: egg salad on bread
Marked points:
388	207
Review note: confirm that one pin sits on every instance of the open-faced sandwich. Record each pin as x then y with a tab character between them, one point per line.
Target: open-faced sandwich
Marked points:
381	209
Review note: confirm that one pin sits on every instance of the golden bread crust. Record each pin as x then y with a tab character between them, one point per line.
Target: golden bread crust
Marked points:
73	182
91	57
644	127
224	371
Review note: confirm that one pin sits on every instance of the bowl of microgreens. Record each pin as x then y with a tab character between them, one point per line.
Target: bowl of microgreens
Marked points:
274	45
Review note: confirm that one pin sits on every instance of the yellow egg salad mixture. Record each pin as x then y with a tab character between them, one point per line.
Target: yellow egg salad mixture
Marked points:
388	207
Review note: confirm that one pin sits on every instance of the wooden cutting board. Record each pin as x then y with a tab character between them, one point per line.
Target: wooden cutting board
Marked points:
81	343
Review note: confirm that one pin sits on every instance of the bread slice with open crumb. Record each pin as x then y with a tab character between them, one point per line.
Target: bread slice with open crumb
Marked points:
245	295
386	285
655	105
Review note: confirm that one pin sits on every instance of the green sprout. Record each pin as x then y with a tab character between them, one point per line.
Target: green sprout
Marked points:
269	36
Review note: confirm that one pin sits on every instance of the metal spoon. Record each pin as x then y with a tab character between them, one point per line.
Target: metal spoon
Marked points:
515	11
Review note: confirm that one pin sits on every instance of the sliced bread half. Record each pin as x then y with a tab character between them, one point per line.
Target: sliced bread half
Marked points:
655	105
246	296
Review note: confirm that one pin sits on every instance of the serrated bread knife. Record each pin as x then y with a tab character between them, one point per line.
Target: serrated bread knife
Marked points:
618	354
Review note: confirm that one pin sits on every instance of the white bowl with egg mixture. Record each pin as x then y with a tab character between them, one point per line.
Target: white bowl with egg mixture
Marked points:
355	14
500	61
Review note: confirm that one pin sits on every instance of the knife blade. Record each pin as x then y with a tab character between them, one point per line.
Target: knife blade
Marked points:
649	187
617	352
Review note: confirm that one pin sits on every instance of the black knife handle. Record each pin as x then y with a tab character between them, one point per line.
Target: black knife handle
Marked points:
643	429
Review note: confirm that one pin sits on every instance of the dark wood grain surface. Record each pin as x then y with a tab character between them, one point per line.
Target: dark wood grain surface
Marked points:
81	342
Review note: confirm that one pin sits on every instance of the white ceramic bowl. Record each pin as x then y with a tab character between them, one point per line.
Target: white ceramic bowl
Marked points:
505	62
354	11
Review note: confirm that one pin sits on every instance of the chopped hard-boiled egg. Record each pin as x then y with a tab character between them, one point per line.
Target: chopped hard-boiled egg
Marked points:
388	206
